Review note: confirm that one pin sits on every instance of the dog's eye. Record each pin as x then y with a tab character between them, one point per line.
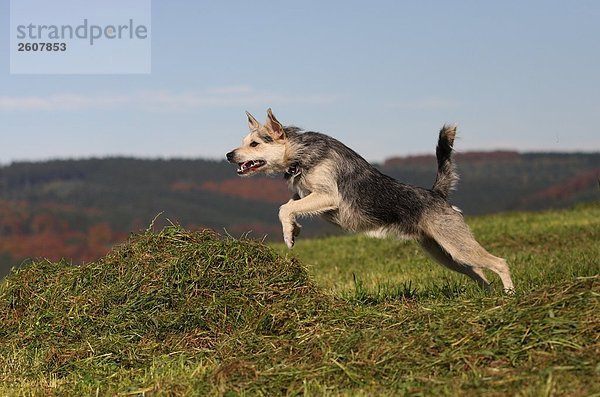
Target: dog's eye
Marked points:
254	144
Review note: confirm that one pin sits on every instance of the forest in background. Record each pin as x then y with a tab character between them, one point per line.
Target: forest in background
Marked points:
78	209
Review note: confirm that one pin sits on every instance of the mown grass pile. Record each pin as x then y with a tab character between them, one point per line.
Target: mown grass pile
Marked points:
174	291
176	312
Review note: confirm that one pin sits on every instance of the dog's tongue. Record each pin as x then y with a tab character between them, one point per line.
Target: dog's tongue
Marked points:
244	166
250	166
247	166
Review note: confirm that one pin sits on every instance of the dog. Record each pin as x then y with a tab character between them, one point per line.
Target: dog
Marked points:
329	179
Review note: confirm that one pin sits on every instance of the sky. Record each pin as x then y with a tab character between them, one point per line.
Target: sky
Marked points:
381	76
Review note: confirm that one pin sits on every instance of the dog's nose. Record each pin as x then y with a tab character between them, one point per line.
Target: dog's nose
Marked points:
230	156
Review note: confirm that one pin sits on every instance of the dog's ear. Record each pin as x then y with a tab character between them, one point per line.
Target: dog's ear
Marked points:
274	127
252	123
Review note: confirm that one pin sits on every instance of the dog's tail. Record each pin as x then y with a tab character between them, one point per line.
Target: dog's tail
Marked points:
446	176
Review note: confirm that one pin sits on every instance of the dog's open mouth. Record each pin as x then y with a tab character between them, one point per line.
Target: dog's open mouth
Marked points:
250	166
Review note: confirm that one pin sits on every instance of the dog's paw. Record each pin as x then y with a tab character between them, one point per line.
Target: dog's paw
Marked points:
509	291
289	240
297	229
290	231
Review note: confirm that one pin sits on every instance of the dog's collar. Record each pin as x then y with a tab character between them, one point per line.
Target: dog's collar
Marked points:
293	171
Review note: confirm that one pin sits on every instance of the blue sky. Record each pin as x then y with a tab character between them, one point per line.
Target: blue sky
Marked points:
381	76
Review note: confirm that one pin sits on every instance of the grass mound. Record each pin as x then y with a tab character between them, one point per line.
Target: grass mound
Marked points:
158	293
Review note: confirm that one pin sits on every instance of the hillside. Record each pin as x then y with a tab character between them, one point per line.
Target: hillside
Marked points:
174	312
494	182
77	209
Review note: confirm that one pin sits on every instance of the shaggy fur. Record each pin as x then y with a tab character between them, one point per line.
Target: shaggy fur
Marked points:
333	181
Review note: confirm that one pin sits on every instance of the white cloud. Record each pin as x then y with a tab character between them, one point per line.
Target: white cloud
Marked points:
160	100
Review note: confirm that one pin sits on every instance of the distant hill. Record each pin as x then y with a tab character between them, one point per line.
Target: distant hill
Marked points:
510	181
78	209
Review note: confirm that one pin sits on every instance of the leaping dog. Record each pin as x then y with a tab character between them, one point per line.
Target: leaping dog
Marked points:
329	179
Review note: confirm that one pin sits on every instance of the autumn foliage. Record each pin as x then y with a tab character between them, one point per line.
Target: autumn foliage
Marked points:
28	231
260	189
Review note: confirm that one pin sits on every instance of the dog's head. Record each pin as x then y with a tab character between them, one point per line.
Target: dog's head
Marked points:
263	149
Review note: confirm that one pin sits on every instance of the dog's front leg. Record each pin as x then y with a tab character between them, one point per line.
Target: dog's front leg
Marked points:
313	204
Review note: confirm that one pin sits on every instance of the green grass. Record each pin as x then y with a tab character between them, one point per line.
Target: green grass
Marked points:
539	247
192	313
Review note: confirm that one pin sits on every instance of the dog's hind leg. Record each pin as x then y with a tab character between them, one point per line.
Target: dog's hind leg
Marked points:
449	240
439	254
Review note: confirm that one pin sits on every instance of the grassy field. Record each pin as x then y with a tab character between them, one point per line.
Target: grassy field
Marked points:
191	313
